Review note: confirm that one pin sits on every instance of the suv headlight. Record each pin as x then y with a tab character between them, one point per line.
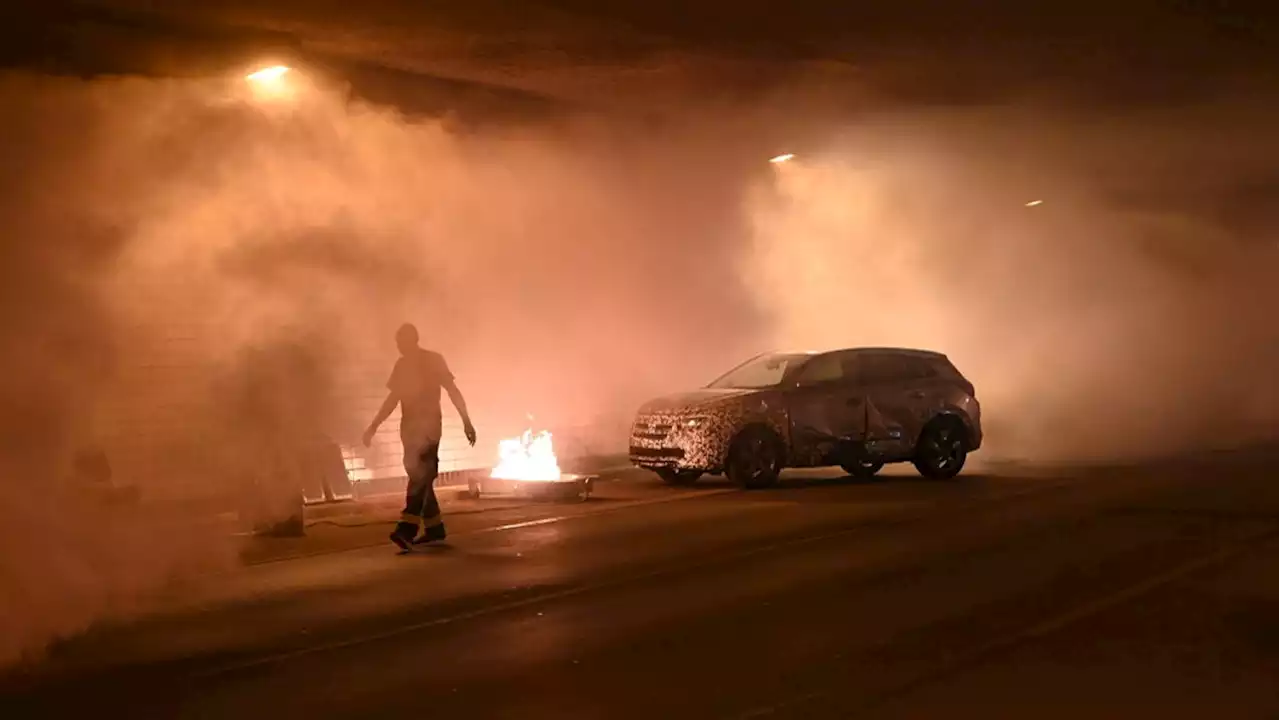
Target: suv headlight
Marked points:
692	423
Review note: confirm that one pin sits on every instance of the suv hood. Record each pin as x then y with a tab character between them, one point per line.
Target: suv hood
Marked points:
694	400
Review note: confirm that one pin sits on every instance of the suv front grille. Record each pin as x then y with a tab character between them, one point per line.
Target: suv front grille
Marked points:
651	430
657	454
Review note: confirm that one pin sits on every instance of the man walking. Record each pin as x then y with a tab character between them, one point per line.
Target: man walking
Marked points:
415	386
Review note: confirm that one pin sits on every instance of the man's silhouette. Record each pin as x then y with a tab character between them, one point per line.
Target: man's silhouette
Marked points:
415	386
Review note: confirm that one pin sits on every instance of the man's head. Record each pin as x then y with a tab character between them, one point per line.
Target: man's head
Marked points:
407	338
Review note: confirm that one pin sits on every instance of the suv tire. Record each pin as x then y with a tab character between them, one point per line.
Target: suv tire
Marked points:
942	448
755	458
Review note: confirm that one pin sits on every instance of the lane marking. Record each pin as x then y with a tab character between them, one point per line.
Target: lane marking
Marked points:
1150	585
517	526
995	648
903	519
625	505
1001	646
620	505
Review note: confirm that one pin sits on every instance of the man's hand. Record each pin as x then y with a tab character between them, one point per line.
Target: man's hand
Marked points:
384	412
470	431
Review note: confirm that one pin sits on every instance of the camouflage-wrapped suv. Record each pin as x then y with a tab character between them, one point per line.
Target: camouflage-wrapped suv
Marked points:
857	408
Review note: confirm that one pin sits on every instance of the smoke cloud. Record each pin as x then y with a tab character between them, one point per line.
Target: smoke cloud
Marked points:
1106	281
193	279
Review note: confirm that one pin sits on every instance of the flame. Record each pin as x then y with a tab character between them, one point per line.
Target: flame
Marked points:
779	159
528	458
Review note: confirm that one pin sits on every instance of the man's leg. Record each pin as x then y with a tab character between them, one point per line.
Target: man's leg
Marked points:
415	495
432	523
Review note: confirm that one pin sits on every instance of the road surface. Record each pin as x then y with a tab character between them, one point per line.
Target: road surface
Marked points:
1093	592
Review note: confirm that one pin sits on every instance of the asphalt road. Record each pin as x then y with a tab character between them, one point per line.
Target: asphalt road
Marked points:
1093	592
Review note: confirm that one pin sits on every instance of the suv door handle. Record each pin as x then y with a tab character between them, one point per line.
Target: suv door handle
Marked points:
916	394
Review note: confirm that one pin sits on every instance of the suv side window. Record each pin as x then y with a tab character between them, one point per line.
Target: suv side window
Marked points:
917	368
821	370
875	368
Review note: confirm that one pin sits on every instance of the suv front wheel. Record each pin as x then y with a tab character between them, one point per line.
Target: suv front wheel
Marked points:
942	449
755	458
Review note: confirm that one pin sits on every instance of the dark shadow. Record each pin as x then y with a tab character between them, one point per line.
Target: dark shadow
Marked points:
706	482
435	548
97	661
852	480
906	484
1253	626
1251	456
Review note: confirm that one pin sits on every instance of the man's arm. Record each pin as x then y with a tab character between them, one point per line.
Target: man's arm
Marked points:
455	395
384	412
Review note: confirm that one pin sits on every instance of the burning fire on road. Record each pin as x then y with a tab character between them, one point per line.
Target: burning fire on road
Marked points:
527	465
527	458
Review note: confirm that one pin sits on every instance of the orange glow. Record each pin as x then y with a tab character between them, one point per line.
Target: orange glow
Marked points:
529	458
273	84
268	75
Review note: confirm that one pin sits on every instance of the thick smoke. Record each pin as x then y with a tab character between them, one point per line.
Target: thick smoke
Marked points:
1107	281
193	280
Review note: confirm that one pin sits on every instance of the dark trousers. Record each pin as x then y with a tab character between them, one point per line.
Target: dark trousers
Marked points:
421	508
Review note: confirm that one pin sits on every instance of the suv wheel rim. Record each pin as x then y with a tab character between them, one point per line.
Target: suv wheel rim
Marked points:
946	448
759	458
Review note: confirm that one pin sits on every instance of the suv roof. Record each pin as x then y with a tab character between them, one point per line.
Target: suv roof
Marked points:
899	351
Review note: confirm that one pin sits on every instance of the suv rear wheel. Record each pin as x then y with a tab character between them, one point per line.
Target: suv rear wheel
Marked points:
942	449
679	477
755	458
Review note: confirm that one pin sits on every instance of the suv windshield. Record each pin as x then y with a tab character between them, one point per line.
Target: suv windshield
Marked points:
761	372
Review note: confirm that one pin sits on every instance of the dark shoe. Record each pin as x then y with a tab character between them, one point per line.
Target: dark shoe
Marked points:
431	534
401	541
